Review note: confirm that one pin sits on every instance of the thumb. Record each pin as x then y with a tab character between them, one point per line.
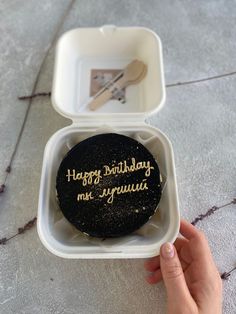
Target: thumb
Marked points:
172	274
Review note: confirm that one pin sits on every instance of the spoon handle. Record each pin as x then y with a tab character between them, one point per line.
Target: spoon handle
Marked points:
107	94
100	100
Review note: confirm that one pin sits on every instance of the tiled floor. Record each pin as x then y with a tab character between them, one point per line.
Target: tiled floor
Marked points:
199	41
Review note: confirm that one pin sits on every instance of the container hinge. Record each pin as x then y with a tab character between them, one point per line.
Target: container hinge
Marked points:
95	121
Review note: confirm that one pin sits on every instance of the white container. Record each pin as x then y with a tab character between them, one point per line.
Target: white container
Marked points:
78	51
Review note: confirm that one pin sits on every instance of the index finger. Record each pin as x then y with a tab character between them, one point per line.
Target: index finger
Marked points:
198	243
188	230
204	267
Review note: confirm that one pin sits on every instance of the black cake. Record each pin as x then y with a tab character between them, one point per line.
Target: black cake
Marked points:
108	185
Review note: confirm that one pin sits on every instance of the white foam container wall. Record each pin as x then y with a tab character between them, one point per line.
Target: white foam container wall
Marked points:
80	50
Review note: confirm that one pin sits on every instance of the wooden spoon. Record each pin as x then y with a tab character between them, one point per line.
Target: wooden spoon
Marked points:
133	74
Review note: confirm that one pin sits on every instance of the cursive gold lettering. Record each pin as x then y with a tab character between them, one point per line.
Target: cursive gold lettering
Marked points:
85	196
86	177
123	189
123	167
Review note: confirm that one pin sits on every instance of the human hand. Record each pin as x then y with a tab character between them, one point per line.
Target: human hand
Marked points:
189	273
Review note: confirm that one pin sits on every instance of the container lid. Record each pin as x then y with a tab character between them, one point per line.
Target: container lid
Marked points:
84	51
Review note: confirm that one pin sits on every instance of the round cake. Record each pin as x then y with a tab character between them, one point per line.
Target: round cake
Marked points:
108	185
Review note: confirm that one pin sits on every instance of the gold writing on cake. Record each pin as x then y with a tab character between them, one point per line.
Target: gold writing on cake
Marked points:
86	177
117	190
94	177
85	196
135	187
123	167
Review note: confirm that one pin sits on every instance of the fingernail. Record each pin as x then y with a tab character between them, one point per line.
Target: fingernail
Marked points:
167	250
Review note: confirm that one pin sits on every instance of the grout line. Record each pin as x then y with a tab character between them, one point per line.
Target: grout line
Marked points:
33	95
54	38
201	80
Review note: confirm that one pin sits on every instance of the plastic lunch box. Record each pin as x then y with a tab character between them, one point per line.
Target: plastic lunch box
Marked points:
109	47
